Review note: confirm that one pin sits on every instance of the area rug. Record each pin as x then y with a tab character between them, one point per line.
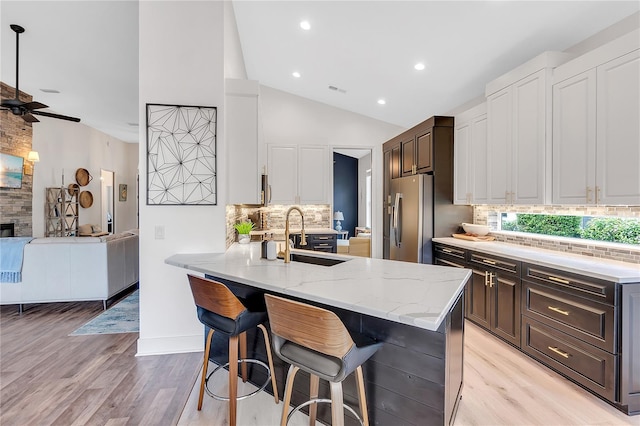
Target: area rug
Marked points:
122	317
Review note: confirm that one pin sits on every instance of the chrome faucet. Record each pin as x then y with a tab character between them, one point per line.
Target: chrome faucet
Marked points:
303	238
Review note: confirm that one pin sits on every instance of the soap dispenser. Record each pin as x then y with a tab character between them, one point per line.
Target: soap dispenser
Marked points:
271	248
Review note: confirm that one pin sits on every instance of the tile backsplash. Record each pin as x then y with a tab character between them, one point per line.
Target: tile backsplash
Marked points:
274	217
489	214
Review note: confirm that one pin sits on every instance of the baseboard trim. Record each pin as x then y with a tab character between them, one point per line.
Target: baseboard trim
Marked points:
170	345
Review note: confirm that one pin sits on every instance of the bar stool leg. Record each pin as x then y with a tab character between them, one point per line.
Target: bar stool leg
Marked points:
291	375
243	355
337	409
233	379
273	372
361	396
313	393
205	364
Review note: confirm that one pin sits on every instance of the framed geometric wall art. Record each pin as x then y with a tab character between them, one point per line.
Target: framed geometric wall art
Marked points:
181	155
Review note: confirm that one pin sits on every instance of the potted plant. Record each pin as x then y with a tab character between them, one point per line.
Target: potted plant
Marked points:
243	229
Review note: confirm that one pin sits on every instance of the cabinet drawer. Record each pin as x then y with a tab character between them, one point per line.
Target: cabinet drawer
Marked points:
586	364
329	248
444	261
493	262
593	288
583	318
320	238
450	251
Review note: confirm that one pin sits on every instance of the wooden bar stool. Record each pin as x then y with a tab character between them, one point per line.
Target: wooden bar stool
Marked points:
220	310
315	340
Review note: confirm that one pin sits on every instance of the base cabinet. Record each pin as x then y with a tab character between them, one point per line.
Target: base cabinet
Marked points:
414	379
494	295
317	242
585	328
590	366
630	355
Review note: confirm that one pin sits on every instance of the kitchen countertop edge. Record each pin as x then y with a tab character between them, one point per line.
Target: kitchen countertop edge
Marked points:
402	292
610	270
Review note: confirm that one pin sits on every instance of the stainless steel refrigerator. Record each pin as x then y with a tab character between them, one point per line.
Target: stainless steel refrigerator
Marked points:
419	213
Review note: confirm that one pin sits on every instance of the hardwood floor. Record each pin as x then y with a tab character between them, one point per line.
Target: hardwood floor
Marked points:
50	378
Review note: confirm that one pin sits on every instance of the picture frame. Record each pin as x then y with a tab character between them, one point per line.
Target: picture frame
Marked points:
122	192
181	155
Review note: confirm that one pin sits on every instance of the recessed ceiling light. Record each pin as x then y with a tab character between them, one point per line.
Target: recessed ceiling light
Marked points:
50	90
419	66
296	74
305	25
381	101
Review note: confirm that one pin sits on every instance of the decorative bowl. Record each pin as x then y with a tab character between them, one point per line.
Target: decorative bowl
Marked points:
472	228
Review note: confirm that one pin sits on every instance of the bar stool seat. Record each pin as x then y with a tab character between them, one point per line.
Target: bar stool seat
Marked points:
220	310
314	340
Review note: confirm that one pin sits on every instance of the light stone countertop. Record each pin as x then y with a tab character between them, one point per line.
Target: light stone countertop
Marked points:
403	292
610	270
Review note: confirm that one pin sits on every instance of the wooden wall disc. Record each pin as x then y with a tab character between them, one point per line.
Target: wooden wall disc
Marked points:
86	199
83	177
73	189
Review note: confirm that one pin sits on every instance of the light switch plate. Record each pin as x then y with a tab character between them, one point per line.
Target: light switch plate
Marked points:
159	232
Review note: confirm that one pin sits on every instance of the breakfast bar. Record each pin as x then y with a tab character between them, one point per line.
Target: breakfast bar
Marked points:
416	310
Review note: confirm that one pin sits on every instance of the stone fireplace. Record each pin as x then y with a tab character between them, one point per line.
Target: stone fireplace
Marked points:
15	138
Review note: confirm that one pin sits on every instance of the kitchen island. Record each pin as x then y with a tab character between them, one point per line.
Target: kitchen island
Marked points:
417	310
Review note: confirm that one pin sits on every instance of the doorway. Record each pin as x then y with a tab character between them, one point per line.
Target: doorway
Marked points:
352	188
107	178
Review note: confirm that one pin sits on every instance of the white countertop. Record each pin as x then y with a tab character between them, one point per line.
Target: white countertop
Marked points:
611	270
407	293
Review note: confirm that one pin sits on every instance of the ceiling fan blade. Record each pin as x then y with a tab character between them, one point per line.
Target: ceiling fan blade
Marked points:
29	118
61	117
34	105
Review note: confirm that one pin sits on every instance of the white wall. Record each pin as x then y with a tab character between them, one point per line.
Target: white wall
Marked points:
291	119
181	63
64	145
234	66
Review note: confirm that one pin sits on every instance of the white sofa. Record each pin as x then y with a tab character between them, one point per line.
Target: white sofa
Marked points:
68	269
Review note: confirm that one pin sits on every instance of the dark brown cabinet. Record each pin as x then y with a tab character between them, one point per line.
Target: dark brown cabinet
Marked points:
584	328
417	153
317	242
426	148
408	157
415	150
569	322
494	295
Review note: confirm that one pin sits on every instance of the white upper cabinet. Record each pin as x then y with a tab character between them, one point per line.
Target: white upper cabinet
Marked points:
618	131
242	136
470	156
519	132
298	174
574	139
499	106
313	176
596	126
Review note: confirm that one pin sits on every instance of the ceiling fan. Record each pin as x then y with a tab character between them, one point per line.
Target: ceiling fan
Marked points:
27	109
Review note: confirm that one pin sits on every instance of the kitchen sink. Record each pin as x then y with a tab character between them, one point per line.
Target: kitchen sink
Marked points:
315	260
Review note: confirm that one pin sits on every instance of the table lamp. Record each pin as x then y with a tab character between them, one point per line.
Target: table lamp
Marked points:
338	216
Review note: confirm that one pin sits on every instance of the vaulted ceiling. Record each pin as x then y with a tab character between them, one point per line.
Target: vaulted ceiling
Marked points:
365	50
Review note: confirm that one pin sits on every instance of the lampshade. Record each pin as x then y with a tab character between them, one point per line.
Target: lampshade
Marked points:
33	156
338	216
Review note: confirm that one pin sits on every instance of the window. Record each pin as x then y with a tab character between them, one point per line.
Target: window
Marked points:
600	228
